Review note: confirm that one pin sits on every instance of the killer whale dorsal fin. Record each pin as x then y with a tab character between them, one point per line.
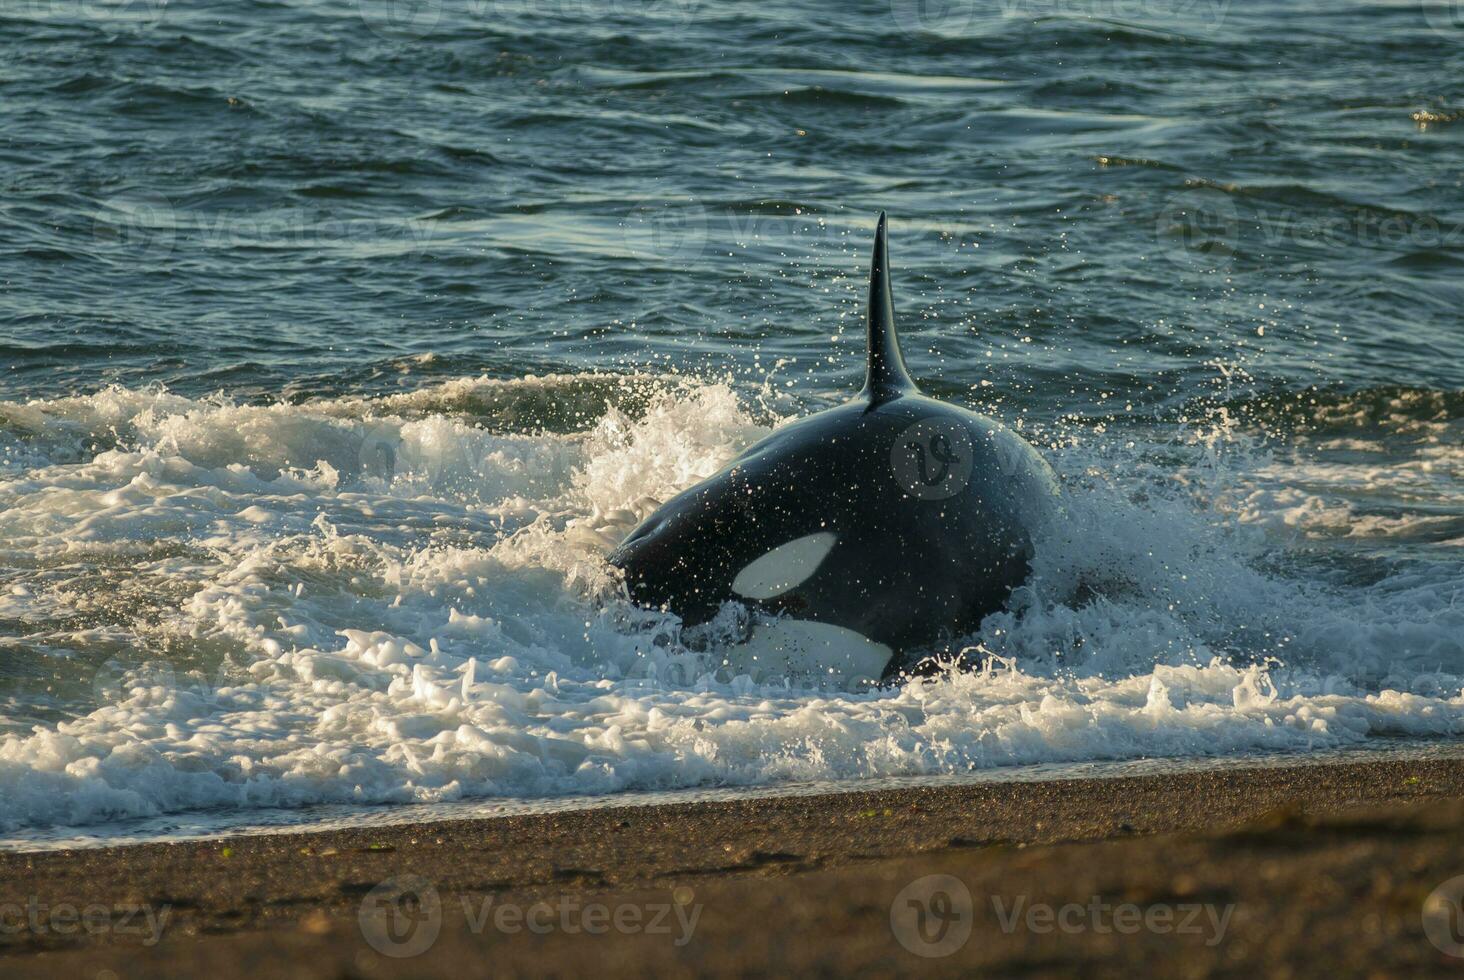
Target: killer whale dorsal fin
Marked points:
885	377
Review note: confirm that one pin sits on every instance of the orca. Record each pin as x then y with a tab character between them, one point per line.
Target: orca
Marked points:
859	540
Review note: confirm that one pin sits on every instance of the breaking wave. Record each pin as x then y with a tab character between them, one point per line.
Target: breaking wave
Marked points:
206	604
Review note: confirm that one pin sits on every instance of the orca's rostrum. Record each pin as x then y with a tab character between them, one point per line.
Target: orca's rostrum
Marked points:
860	537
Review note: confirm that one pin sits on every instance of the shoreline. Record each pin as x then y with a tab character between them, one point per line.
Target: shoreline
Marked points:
1348	850
192	827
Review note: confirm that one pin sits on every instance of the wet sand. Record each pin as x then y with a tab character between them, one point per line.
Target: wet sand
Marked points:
1269	871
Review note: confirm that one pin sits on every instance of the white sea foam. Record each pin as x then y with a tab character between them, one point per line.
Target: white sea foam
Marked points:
205	604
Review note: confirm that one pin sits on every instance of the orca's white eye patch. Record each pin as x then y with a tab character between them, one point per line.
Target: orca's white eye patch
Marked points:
784	567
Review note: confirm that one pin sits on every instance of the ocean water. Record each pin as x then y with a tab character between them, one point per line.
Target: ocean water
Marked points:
340	342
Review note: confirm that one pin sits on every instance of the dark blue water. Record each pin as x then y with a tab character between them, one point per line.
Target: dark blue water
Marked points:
339	343
1088	197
